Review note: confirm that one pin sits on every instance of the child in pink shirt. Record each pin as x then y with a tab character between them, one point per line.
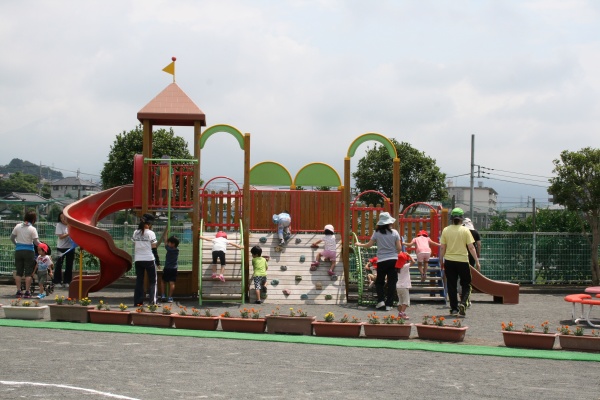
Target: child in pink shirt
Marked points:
422	243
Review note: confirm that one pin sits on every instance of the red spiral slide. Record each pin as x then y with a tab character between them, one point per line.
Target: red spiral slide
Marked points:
82	218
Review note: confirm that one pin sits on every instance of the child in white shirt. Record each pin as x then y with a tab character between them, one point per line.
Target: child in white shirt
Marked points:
403	285
219	248
43	268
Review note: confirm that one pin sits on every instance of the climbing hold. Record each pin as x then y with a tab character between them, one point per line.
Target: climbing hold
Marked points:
286	292
334	277
274	282
319	286
298	240
263	239
304	297
278	249
313	267
302	258
298	278
283	268
328	297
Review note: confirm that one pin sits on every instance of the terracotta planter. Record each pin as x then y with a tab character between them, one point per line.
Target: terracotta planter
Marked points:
197	323
152	319
533	340
582	343
244	325
388	331
20	312
441	333
110	317
337	329
290	325
70	313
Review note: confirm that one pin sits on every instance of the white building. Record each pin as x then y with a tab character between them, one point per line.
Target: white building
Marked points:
67	190
485	202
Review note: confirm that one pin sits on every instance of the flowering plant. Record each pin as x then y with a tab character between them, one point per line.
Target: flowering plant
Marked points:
102	307
297	313
226	314
122	307
345	319
207	312
509	327
528	328
59	299
329	317
25	303
151	308
71	301
167	310
392	319
373	318
85	301
183	311
250	313
440	321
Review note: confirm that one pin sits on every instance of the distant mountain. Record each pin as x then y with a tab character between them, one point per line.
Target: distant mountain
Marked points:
26	167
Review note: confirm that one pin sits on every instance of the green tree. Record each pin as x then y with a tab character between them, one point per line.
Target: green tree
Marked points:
420	177
118	170
576	186
545	221
20	183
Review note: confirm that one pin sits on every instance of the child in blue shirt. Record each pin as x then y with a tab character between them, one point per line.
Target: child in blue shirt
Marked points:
170	270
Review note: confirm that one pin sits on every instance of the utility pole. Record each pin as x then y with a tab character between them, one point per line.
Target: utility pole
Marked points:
472	177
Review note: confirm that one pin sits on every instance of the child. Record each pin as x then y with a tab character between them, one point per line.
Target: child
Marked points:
422	242
372	268
329	249
283	221
260	267
43	267
220	243
170	271
403	285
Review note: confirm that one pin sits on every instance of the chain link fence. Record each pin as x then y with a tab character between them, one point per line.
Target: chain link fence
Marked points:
518	257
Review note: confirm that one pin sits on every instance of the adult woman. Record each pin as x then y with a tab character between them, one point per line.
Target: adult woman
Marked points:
146	259
389	244
24	236
65	252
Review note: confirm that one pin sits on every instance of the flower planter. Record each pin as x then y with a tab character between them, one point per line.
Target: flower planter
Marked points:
290	325
20	312
70	313
110	317
441	333
337	329
152	319
197	323
582	343
243	325
388	331
533	340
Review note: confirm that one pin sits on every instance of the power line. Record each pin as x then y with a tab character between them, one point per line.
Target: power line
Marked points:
519	183
519	173
514	177
68	170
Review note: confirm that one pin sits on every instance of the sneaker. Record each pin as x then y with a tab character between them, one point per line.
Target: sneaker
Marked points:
170	300
388	308
371	285
380	304
462	309
221	278
454	312
66	285
468	303
258	302
331	273
315	264
27	295
281	242
41	296
19	294
214	276
163	298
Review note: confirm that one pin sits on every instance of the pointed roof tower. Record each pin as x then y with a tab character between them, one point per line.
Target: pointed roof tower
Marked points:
172	107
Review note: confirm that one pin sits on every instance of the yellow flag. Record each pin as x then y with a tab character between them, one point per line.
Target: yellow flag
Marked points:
170	69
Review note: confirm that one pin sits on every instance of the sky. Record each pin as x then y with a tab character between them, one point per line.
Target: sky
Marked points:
306	78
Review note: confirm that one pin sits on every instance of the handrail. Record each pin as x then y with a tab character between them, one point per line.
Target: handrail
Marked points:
200	268
358	266
243	263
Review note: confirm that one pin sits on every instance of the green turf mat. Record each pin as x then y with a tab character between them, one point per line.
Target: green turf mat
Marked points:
314	340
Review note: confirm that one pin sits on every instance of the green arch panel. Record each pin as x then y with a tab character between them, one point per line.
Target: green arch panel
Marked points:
270	173
376	137
222	128
317	174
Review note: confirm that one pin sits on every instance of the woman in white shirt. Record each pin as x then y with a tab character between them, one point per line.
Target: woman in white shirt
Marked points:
65	253
146	259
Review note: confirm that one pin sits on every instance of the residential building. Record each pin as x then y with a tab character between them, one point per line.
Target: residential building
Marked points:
67	190
485	202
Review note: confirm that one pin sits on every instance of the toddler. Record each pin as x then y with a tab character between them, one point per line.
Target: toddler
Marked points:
423	251
43	267
283	221
371	269
219	248
329	249
259	266
403	285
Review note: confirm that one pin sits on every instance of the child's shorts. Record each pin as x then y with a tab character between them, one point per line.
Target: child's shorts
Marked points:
423	257
219	254
259	282
42	278
169	275
403	296
328	254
